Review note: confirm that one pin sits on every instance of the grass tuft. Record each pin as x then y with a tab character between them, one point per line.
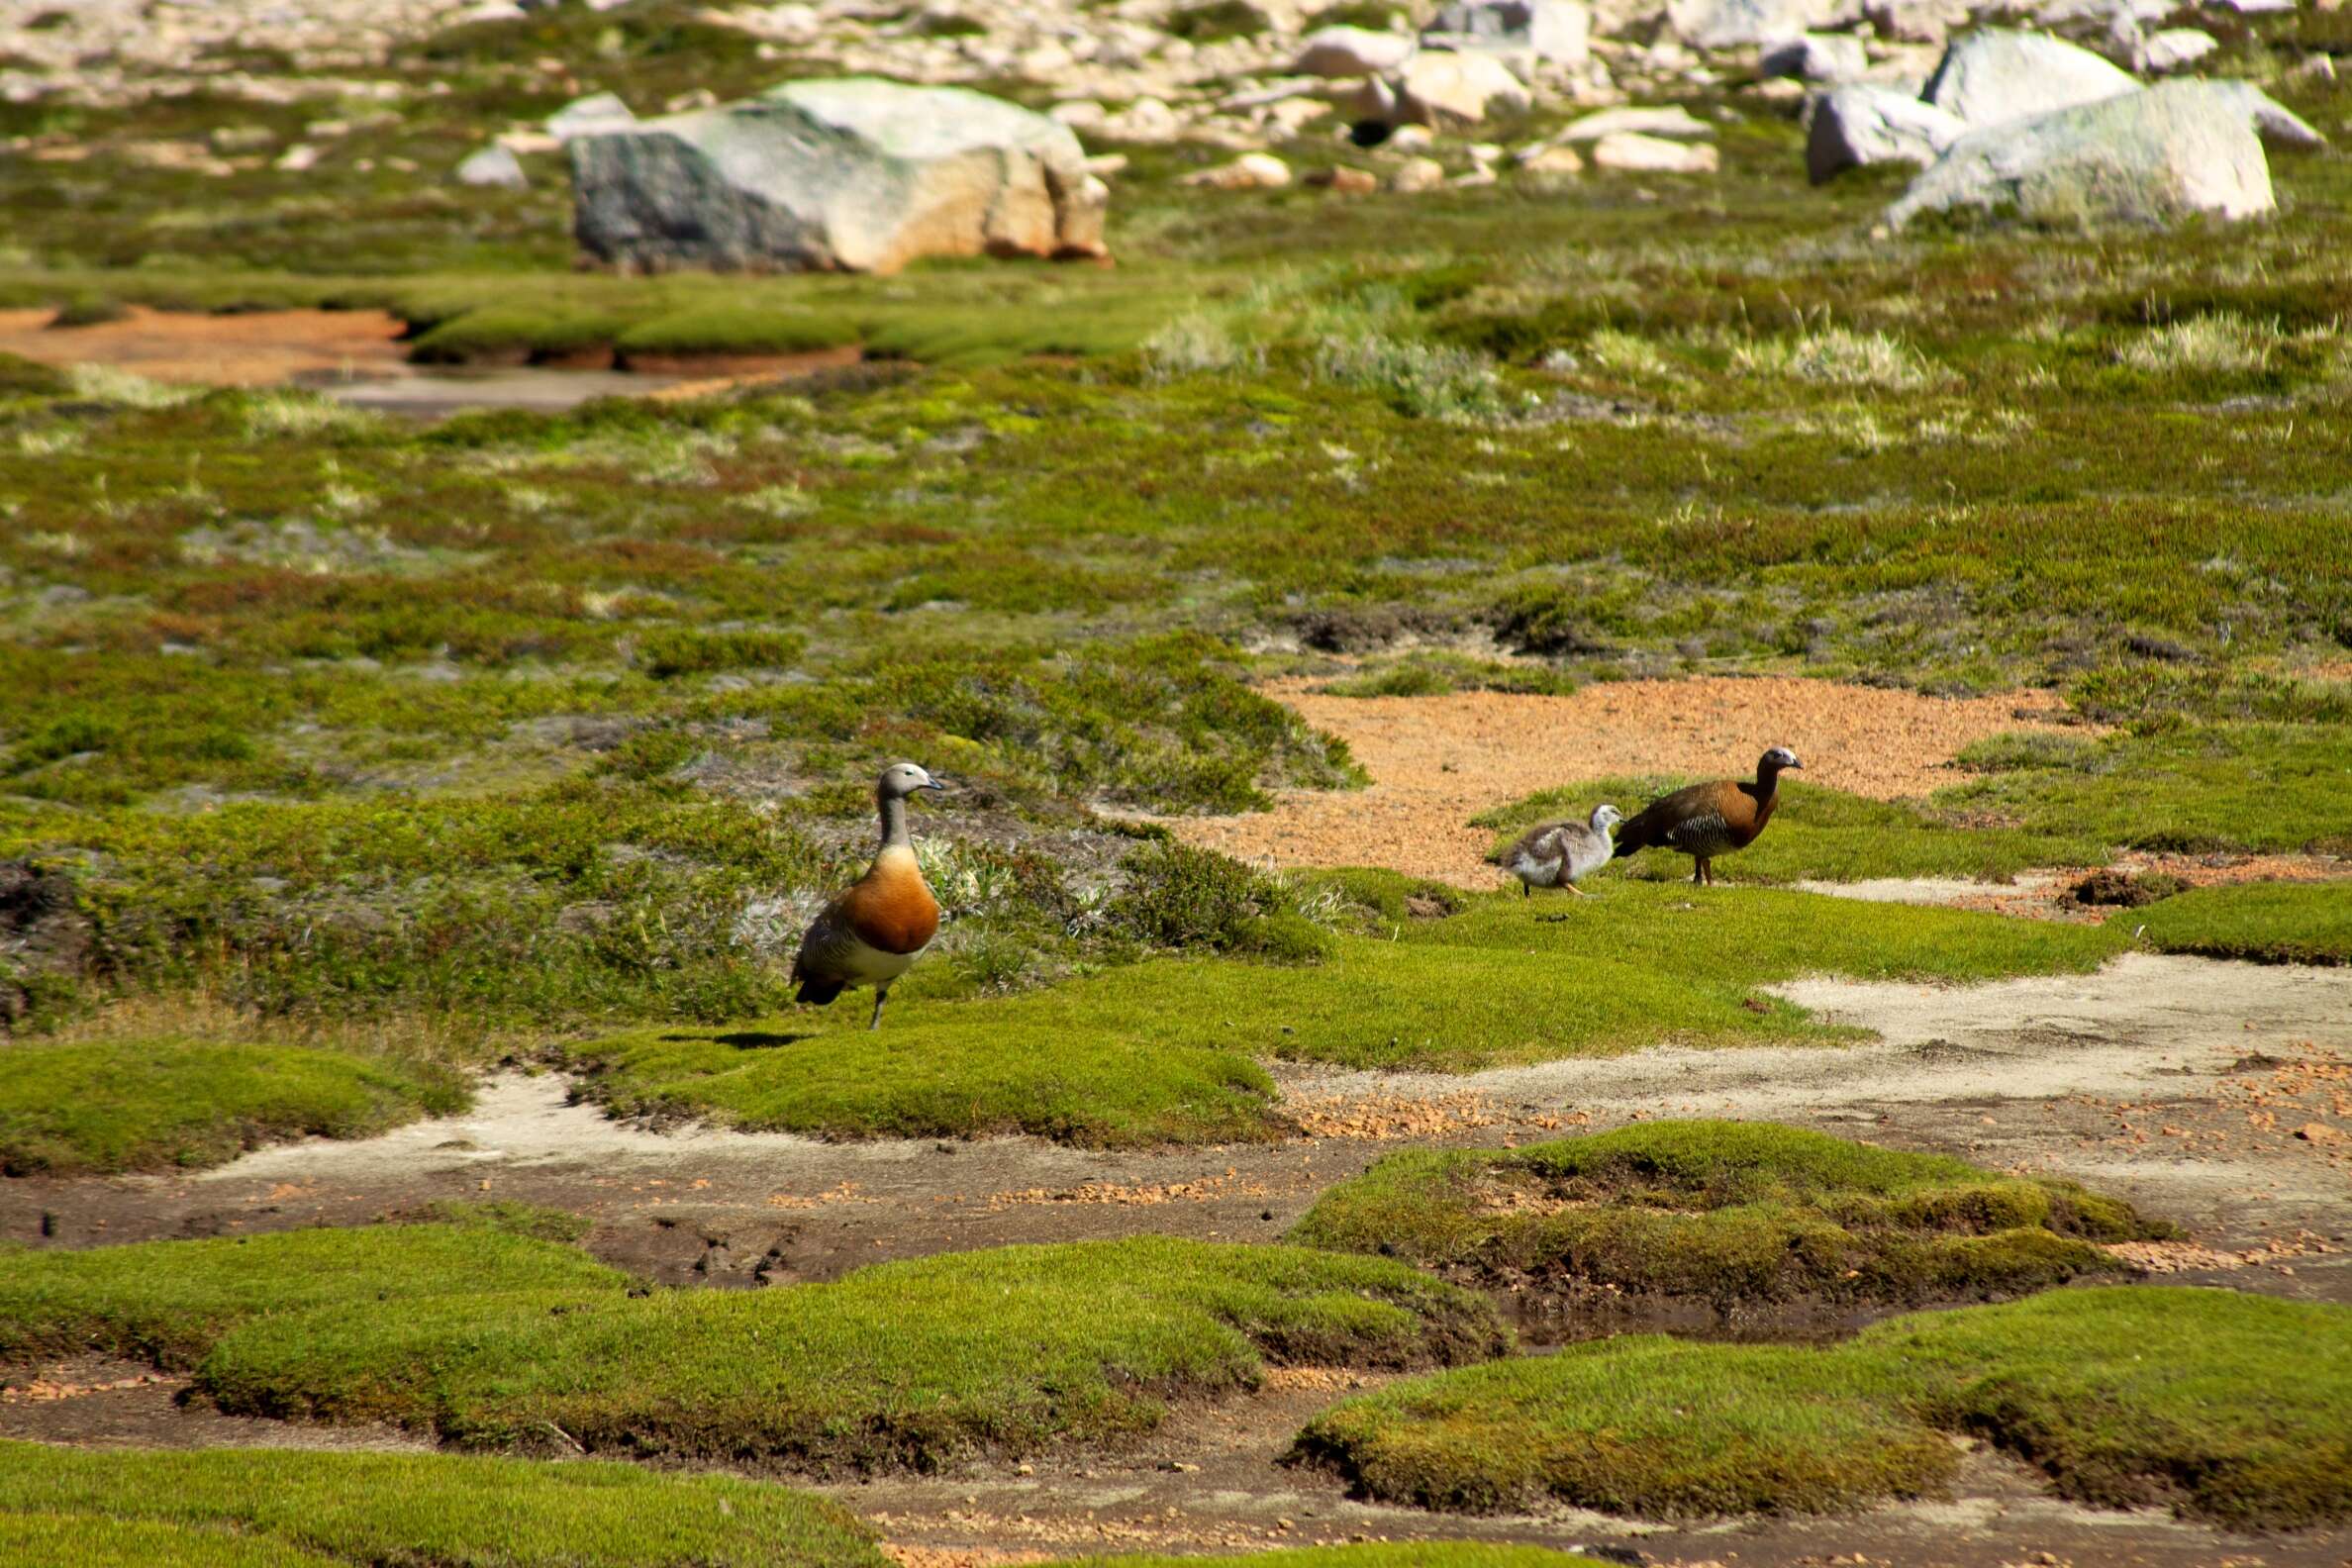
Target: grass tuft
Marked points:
2225	1406
1725	1212
2306	923
490	1338
231	1507
140	1104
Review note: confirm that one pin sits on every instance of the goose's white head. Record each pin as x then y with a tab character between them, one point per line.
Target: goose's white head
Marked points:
1777	758
901	779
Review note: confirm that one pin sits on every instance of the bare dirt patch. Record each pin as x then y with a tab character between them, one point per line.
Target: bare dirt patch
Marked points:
254	349
1438	761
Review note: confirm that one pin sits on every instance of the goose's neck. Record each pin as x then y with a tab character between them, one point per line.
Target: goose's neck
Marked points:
893	809
1767	782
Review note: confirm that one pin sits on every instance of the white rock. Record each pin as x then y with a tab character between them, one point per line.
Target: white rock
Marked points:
1818	57
2162	54
1144	120
1249	172
1079	114
1917	21
1673	120
1293	113
2144	157
2271	120
1560	159
1730	23
295	158
1634	152
589	116
1410	139
1416	176
1445	88
527	142
1343	52
1996	75
1550	32
1859	124
494	166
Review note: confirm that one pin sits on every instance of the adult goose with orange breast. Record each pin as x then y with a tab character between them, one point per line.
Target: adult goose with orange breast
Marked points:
1709	820
872	931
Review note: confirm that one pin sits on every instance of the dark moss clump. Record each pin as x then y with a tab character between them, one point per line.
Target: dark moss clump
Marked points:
1216	21
666	654
1181	897
1728	1213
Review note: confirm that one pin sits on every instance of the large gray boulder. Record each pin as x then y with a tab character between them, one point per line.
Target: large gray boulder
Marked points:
1996	75
1858	124
2151	158
848	175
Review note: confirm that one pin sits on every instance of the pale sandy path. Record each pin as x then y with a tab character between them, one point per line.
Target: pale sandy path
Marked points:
1438	761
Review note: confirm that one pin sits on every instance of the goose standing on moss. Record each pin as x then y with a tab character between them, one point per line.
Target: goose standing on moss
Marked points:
1555	854
872	931
1709	820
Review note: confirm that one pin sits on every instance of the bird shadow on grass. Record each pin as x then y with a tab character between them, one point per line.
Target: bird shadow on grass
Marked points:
748	1040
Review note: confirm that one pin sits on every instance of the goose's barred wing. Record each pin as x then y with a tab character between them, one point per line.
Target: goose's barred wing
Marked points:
822	966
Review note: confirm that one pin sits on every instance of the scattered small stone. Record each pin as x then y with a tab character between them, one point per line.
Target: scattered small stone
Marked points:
494	166
1631	152
1416	176
1345	180
1249	172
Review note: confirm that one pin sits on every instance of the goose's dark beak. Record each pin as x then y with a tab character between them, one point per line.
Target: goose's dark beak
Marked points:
935	784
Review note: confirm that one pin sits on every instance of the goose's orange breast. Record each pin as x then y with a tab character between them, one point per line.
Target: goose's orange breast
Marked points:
891	907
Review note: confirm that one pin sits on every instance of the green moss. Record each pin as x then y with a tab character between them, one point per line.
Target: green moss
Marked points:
722	330
1726	1211
172	1301
496	1336
2225	1405
1216	21
89	1542
664	656
2309	923
228	1507
509	1218
941	1077
140	1104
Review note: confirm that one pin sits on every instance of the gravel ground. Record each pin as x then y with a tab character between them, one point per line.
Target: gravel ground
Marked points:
1438	761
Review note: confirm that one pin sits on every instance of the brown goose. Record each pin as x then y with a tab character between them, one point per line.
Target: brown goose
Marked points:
1709	820
872	931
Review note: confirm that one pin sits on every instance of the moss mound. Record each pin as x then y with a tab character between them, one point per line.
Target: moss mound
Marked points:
230	1508
2227	1407
494	1339
1729	1212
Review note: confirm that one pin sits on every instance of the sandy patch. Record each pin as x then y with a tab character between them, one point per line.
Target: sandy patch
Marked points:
254	349
1438	761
